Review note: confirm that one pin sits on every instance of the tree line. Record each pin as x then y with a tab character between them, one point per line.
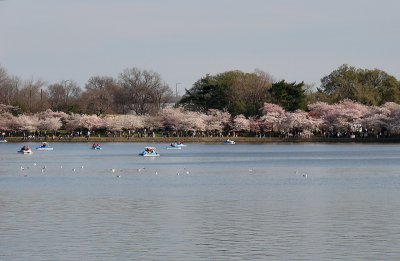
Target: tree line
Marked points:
143	92
345	119
134	91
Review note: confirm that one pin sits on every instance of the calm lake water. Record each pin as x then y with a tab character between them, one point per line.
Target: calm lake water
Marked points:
204	202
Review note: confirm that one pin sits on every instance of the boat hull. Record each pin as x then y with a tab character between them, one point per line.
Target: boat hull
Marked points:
149	155
25	151
44	148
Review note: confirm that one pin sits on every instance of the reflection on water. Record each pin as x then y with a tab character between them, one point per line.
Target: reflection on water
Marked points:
204	202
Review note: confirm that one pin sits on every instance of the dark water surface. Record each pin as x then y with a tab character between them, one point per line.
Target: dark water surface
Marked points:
204	202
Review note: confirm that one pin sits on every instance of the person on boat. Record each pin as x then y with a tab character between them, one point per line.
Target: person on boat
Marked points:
25	147
94	146
44	145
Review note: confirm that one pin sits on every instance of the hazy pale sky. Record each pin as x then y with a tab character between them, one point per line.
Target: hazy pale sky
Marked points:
183	40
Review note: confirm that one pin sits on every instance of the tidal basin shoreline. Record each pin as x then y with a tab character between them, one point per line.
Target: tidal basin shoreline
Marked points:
250	140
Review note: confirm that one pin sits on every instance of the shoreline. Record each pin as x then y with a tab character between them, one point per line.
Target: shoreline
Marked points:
238	140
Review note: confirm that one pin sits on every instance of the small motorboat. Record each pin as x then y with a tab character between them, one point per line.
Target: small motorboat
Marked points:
230	142
3	140
173	146
96	147
149	152
44	146
25	150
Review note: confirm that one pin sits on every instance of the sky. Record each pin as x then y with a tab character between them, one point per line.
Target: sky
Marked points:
184	40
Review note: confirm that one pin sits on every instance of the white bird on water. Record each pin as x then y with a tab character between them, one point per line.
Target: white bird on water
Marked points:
112	170
73	169
22	168
304	175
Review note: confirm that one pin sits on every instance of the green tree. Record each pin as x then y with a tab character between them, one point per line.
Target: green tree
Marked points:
370	87
290	96
249	92
210	92
233	91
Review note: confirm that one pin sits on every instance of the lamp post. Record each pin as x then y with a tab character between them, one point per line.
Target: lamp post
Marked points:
176	89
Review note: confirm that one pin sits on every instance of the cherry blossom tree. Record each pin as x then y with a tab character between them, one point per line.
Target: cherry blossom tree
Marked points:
50	124
89	122
393	123
152	122
272	117
299	123
52	114
26	123
172	118
345	116
7	122
240	123
216	121
255	125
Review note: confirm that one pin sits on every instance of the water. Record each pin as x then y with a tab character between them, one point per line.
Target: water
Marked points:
206	202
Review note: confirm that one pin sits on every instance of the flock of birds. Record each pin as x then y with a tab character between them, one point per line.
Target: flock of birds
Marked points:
139	170
113	170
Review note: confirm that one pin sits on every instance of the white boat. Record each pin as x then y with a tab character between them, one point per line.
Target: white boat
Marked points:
44	146
96	146
149	152
175	146
25	150
3	140
228	141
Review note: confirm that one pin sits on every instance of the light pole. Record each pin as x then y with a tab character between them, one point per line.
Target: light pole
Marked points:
176	89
